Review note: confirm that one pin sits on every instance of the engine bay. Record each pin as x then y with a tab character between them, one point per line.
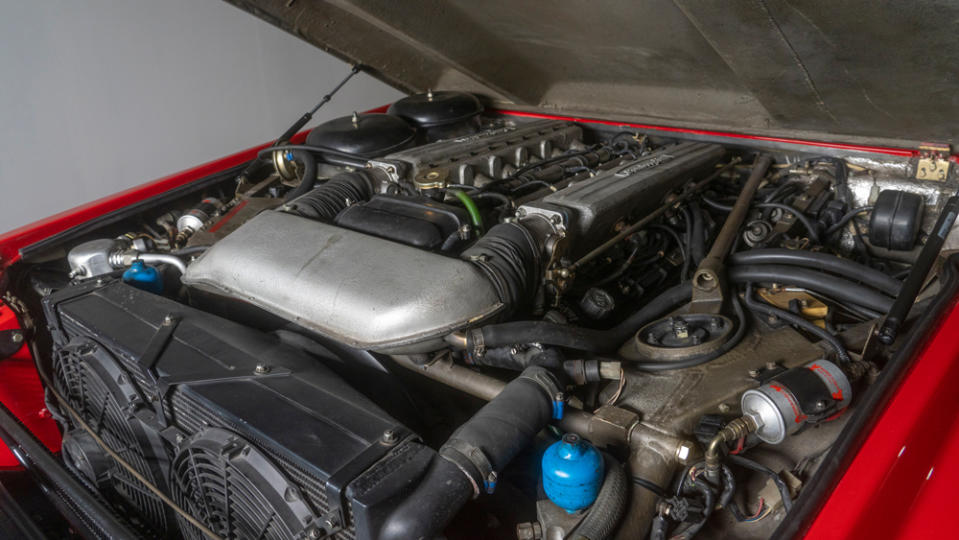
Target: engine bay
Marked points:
439	320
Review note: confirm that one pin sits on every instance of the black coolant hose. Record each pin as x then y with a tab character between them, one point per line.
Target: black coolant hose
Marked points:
307	179
697	241
824	261
469	461
574	337
329	199
608	341
836	288
609	506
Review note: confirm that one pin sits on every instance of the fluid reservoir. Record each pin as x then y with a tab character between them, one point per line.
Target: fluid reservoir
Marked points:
143	277
572	473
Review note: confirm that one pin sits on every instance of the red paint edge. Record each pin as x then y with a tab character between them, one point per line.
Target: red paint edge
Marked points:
889	151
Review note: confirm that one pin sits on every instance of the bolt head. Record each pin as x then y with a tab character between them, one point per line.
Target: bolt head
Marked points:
16	337
724	407
168	320
754	373
390	436
262	369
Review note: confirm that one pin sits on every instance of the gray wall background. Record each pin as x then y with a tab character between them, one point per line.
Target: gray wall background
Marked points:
100	95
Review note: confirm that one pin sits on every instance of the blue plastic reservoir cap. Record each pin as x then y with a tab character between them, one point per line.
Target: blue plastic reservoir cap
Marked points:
144	277
572	473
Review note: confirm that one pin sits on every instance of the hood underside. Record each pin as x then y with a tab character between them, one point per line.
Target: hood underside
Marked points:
866	72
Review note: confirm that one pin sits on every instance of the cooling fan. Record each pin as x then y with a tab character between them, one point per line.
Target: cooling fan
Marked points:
236	491
99	390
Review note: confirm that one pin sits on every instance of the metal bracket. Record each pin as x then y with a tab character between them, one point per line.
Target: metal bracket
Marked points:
933	162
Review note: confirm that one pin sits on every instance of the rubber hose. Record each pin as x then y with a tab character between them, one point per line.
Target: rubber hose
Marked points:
509	358
845	219
574	337
756	466
498	431
330	198
607	510
697	243
475	217
830	263
307	179
836	288
328	155
796	320
510	257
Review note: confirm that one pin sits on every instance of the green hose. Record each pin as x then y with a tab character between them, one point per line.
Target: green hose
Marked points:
474	212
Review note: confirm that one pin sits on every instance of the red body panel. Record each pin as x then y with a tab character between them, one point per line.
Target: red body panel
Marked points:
22	393
900	484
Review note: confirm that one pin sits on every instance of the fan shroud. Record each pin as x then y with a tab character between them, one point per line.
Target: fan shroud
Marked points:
102	393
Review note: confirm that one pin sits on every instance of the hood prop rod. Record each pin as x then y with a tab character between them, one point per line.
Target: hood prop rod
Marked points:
917	276
298	125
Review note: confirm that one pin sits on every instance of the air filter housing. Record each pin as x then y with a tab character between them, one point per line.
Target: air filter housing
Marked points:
440	115
363	135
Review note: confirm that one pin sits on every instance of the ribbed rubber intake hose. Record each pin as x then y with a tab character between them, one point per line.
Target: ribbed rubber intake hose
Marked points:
510	256
609	506
467	464
822	261
329	199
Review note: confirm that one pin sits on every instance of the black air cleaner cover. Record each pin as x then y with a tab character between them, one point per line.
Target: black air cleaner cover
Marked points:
366	135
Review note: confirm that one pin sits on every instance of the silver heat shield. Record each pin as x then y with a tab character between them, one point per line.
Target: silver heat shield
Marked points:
360	290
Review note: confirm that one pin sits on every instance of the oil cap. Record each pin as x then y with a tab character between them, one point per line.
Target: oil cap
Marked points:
572	473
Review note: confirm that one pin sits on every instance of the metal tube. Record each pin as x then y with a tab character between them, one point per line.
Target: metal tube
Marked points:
445	371
162	258
455	376
708	275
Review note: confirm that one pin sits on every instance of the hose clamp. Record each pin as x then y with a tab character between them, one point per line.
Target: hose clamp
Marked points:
478	348
461	453
548	382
